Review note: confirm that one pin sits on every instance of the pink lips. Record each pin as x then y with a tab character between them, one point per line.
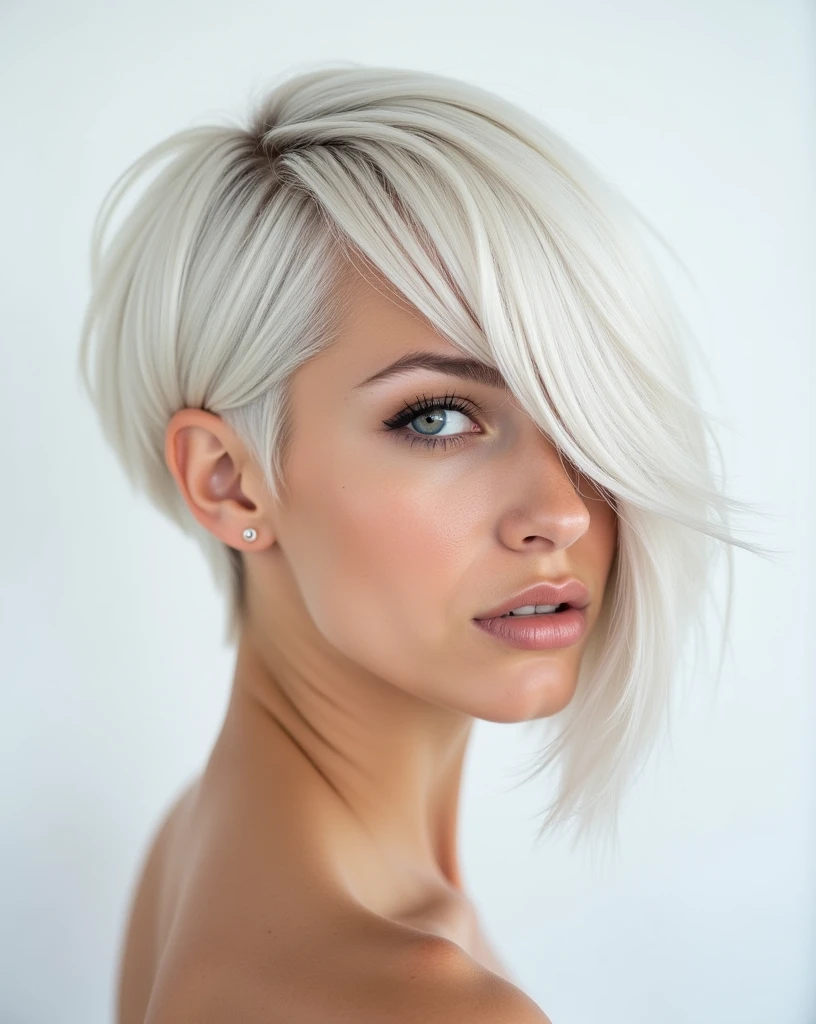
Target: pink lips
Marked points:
538	632
571	592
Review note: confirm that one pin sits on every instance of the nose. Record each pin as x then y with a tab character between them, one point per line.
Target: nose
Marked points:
544	506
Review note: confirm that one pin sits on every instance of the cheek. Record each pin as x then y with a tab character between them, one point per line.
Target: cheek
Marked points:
382	554
601	540
606	535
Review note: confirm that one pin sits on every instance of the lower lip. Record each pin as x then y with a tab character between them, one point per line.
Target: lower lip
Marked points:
538	632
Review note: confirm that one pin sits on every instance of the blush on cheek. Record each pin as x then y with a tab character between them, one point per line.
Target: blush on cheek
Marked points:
410	571
387	555
367	590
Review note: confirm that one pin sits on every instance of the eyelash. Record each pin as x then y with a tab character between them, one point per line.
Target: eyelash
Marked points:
458	403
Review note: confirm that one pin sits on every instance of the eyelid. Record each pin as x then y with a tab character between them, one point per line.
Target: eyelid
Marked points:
398	425
452	401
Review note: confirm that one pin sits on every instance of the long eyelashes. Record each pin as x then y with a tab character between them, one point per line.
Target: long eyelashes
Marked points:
454	402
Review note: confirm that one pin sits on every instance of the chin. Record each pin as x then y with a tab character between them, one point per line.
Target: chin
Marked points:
538	697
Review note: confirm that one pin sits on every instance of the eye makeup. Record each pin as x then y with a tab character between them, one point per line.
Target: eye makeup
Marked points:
453	402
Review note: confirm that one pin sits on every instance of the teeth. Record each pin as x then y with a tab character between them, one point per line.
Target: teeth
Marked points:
531	609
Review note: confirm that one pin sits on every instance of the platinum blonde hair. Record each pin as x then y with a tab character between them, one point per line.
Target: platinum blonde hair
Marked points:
220	282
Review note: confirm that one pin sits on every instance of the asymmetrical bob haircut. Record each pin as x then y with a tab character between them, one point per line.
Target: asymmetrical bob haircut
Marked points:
220	282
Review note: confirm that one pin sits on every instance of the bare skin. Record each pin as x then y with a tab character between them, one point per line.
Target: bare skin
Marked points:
311	872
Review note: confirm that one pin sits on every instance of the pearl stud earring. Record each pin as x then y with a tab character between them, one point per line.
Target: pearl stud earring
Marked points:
249	533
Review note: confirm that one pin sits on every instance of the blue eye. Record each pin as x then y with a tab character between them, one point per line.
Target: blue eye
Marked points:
432	413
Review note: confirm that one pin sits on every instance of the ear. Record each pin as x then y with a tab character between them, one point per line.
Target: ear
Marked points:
217	477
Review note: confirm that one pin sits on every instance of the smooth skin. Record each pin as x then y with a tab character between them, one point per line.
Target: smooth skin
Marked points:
311	872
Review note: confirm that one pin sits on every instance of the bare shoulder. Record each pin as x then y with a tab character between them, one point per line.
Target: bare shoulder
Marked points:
454	988
431	981
148	913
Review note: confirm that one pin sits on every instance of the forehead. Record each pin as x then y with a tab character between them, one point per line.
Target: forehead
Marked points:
379	322
378	325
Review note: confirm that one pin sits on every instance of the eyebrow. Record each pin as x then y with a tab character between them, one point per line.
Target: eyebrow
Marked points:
454	366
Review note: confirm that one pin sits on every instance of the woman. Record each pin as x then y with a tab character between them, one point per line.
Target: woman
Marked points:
398	359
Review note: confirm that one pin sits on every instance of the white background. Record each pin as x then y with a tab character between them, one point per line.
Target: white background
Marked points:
114	680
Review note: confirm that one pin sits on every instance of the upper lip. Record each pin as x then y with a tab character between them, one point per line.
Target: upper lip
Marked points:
572	592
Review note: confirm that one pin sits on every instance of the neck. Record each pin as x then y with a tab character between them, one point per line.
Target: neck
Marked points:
389	763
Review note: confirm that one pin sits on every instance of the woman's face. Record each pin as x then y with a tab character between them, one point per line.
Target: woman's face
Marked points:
395	538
